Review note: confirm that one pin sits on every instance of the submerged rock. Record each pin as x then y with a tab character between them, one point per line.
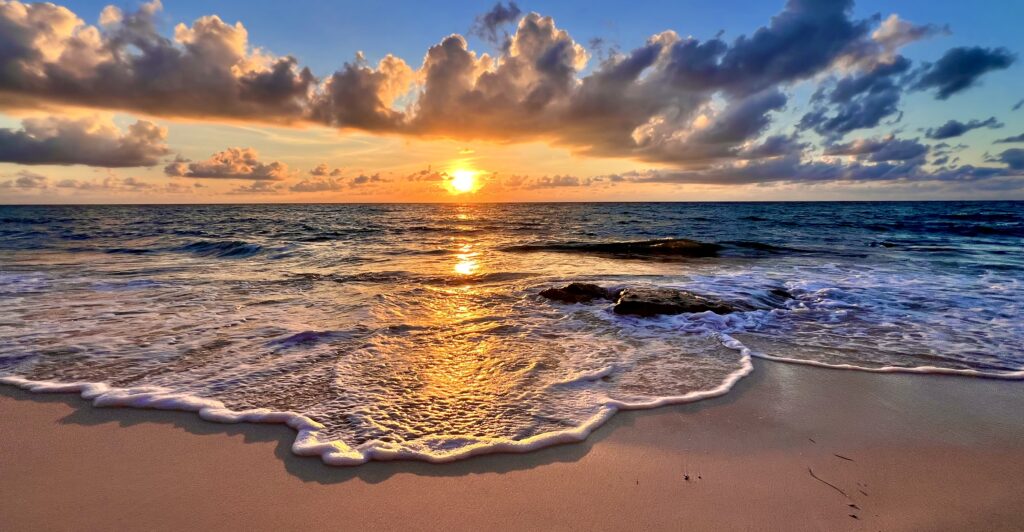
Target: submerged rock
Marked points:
579	293
655	301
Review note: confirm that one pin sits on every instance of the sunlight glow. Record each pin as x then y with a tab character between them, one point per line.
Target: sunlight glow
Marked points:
463	181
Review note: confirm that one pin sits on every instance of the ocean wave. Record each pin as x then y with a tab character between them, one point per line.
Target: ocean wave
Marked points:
234	249
669	247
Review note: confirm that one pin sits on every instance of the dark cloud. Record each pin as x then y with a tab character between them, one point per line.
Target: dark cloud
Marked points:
1018	105
955	128
86	141
961	68
232	163
1008	140
773	146
1013	158
360	96
857	101
880	150
792	169
488	26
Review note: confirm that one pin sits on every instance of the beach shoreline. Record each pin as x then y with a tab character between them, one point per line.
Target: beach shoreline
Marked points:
790	446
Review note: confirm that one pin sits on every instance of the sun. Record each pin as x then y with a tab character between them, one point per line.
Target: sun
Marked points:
462	181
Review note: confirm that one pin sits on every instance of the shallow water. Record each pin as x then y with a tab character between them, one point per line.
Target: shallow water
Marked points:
415	331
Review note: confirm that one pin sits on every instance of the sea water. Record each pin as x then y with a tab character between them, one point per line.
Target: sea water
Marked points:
416	331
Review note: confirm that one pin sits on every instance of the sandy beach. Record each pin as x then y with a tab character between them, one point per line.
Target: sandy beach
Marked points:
791	447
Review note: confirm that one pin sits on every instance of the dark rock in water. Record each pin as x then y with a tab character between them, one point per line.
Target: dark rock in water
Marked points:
578	293
667	248
654	301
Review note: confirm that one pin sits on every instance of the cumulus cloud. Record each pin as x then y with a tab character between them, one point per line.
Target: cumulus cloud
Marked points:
955	128
960	68
206	70
674	100
232	163
88	141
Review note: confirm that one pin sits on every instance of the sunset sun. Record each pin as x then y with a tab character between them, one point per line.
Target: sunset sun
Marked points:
463	181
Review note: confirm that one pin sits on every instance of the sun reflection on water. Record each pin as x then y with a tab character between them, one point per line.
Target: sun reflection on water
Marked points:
467	263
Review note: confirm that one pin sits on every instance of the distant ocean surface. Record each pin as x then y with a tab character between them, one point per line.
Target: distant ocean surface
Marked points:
417	331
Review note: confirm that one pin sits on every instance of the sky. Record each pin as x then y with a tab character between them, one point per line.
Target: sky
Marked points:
241	102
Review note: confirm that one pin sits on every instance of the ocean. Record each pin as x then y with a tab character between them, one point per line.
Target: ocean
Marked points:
418	332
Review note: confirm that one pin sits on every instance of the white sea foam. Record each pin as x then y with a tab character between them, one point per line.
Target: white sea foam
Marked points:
310	442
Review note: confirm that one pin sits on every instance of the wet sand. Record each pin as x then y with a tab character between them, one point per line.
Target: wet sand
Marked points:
791	447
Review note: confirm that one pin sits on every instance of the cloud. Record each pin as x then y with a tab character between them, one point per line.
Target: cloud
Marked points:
88	141
1014	158
857	101
1008	140
334	183
793	169
206	70
895	33
559	181
25	180
955	128
677	101
1018	105
427	175
960	68
773	146
879	150
363	179
232	163
488	25
257	187
318	184
323	170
